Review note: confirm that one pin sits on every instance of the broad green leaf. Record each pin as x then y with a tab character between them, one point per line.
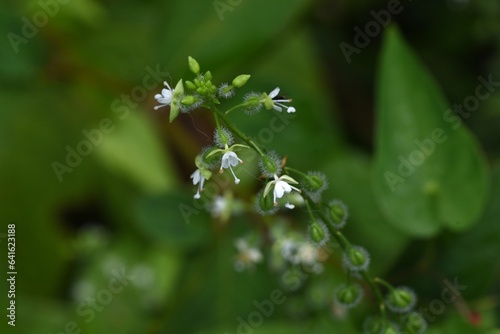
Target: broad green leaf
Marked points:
428	171
175	218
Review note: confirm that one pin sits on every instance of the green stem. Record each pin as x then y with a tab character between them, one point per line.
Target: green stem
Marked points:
345	244
342	240
239	133
377	292
313	219
233	108
217	122
296	171
383	282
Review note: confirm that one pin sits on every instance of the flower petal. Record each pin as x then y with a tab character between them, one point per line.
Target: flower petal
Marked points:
274	92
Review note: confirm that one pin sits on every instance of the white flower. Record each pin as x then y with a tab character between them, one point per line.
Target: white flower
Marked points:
281	187
307	254
165	98
199	179
289	250
229	160
247	256
278	103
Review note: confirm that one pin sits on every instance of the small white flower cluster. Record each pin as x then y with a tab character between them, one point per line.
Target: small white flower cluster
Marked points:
300	252
248	256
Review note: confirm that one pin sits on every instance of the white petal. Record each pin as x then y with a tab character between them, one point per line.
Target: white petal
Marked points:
277	108
278	191
274	92
196	176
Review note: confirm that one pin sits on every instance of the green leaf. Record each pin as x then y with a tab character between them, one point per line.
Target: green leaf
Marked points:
349	180
175	218
133	151
457	258
428	171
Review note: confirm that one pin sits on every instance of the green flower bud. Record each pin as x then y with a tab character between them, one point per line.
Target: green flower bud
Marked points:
208	76
190	85
264	204
240	80
348	295
401	299
193	65
270	164
318	233
338	214
252	103
391	328
314	184
374	325
188	100
356	258
223	137
414	323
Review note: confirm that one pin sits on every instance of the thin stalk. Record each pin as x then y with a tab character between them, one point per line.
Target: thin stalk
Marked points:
238	132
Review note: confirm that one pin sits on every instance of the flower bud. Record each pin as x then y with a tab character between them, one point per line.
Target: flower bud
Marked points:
379	325
401	299
374	325
223	137
264	205
348	295
188	100
240	80
318	233
225	91
190	85
193	65
414	323
208	76
270	164
252	103
314	184
356	258
338	214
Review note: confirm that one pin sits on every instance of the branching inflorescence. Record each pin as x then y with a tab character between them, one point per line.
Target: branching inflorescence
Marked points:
286	187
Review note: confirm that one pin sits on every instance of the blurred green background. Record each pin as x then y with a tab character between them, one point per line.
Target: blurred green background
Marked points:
66	67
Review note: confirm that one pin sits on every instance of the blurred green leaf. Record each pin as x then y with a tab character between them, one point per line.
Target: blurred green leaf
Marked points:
227	34
175	218
458	259
349	176
428	171
133	151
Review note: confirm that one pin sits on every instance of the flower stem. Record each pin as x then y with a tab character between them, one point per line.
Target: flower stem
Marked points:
345	244
383	282
237	131
310	210
296	171
377	292
234	108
